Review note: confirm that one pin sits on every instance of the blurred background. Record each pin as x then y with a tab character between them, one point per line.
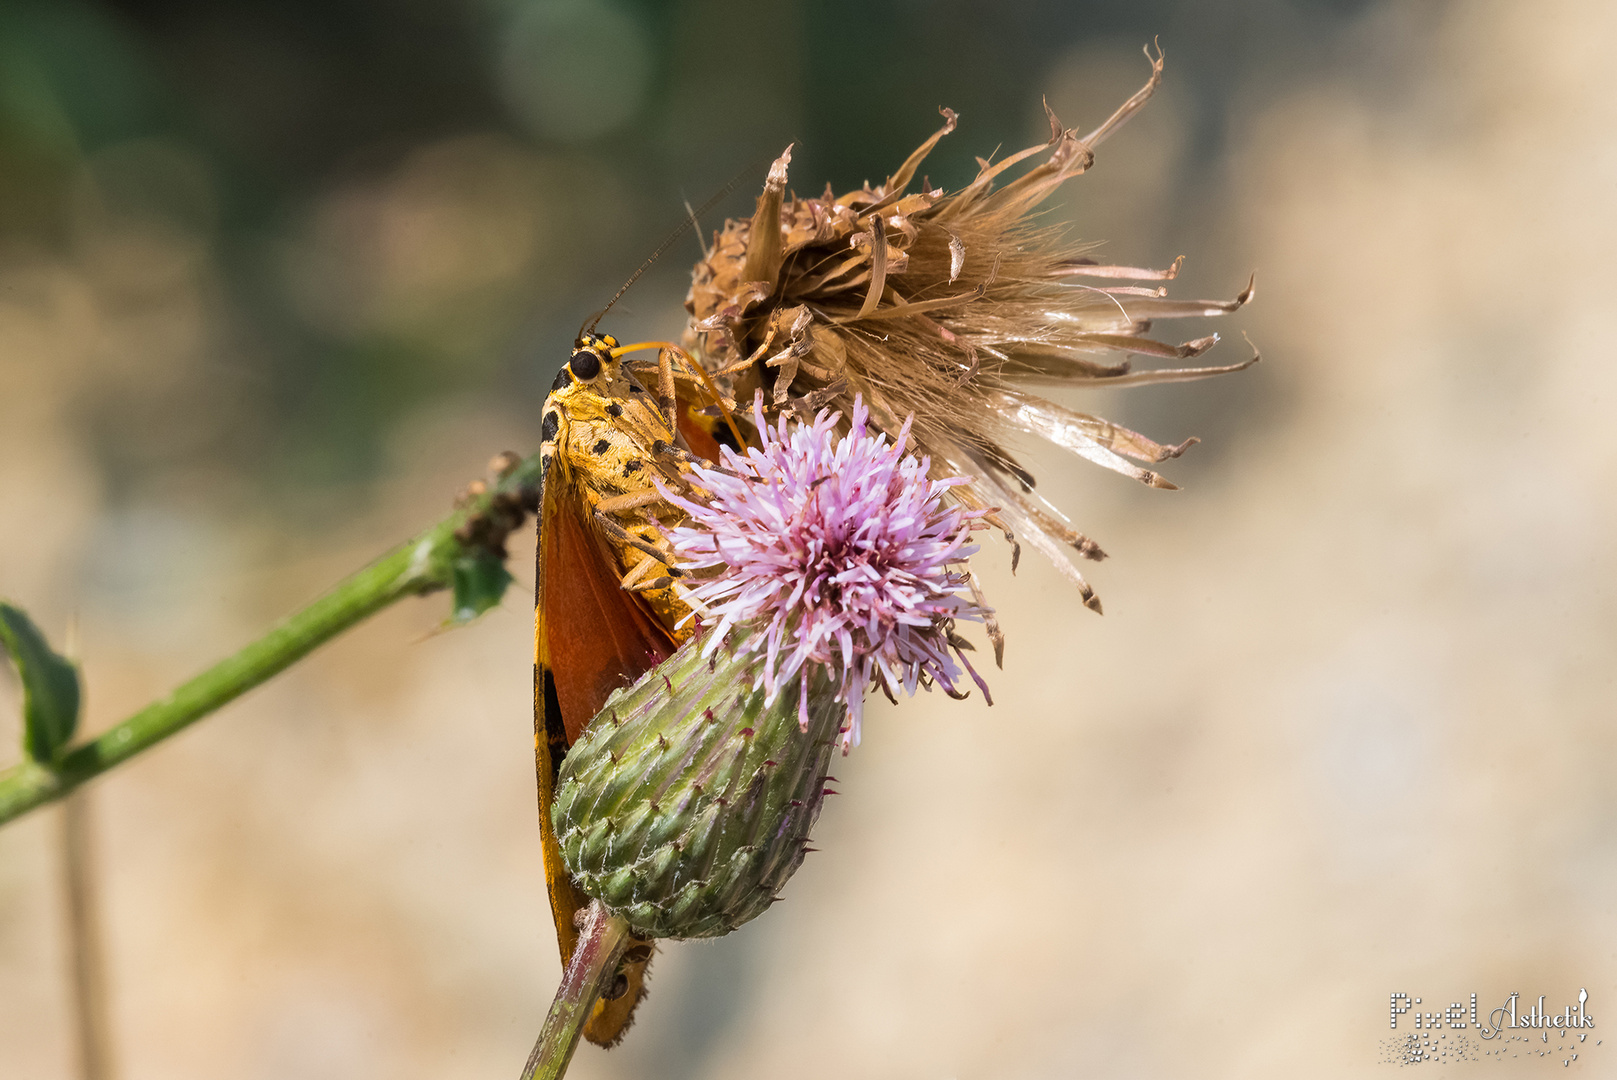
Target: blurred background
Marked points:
278	277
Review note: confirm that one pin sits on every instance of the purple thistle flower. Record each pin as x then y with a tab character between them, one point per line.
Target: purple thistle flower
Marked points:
834	551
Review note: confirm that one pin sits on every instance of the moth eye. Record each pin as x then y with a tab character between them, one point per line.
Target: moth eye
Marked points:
619	987
586	364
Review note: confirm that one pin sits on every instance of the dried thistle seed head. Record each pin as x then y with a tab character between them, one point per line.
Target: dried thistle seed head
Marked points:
948	308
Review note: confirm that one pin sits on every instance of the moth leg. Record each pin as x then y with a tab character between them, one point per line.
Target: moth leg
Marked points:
632	501
678	454
707	384
736	368
651	584
757	355
694	376
622	535
666	400
637	579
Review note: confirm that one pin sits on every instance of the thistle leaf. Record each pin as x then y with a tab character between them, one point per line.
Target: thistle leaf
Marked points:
50	686
480	581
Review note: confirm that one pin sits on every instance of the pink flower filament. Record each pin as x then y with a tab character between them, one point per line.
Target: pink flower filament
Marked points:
835	551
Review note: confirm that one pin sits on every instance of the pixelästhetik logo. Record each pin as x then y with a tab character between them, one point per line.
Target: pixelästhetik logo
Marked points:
1514	1029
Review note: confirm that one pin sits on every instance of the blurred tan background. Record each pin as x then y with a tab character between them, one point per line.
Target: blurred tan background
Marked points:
276	280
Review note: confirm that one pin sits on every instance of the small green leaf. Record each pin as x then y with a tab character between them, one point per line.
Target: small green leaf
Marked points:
480	581
50	686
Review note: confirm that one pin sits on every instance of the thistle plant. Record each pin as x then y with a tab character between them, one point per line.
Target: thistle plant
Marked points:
827	562
834	568
891	343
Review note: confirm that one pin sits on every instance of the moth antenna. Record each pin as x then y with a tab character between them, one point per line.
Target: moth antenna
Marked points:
673	237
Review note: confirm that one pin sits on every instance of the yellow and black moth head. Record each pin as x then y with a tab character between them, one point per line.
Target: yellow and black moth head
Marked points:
592	358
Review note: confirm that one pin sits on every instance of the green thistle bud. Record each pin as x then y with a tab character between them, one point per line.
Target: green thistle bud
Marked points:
686	805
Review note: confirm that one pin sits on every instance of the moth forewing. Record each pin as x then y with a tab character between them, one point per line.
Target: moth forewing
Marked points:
607	604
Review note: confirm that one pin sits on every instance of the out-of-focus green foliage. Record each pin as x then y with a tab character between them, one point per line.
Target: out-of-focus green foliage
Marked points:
297	224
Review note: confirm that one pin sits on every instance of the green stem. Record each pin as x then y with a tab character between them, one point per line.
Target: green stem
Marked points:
601	944
421	565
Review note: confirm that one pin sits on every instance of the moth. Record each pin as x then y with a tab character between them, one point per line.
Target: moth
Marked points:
608	603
